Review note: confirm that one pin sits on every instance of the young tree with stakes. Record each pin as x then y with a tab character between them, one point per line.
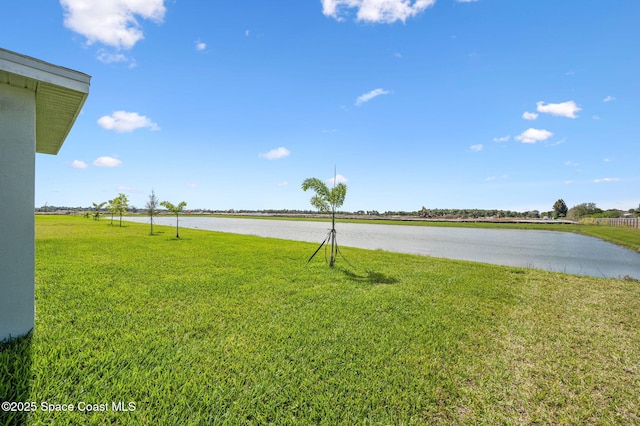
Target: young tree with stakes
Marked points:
113	209
118	205
152	207
98	207
175	210
327	201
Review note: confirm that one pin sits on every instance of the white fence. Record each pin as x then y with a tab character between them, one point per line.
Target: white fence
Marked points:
633	222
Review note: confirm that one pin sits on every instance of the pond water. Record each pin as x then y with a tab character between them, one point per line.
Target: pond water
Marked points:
549	250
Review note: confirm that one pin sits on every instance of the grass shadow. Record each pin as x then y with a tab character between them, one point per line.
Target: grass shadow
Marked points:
371	277
15	379
181	238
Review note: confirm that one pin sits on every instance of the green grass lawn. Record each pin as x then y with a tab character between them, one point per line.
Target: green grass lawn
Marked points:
219	328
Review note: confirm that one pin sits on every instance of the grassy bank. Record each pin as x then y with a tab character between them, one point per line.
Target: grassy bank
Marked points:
232	329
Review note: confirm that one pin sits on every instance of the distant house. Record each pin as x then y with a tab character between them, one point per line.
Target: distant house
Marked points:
39	103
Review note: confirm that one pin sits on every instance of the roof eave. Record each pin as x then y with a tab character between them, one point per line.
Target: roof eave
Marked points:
60	95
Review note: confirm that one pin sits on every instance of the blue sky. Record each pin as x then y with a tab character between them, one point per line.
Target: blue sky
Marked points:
445	104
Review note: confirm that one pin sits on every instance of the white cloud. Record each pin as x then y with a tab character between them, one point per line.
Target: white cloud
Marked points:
276	154
376	11
529	115
247	33
77	164
110	58
502	139
606	180
477	148
111	22
191	185
490	178
559	142
123	121
564	109
534	135
338	179
200	46
107	162
609	99
281	184
370	95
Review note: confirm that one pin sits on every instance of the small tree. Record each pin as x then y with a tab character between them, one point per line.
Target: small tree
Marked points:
97	207
112	209
560	208
152	207
327	201
175	210
118	206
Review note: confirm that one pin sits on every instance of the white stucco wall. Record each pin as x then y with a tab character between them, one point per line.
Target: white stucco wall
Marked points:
17	174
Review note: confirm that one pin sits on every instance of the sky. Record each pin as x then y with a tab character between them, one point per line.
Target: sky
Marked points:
488	104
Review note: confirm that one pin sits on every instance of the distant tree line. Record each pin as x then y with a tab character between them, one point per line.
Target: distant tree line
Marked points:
590	210
477	213
558	210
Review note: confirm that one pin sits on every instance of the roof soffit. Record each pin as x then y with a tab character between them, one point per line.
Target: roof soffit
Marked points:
60	95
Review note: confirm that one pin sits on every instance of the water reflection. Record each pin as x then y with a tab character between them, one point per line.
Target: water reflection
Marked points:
548	250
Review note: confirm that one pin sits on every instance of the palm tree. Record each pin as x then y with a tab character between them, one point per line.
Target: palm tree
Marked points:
176	210
326	201
98	207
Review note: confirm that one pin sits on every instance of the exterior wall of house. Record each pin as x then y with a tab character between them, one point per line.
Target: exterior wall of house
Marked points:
17	177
